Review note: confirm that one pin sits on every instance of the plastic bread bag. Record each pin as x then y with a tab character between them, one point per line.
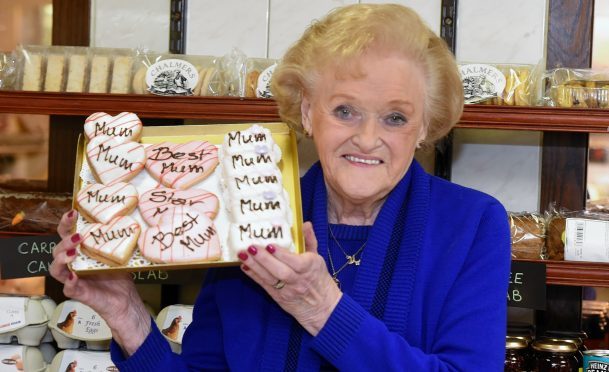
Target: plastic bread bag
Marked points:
31	62
501	84
258	73
528	234
172	74
34	212
556	223
583	88
232	74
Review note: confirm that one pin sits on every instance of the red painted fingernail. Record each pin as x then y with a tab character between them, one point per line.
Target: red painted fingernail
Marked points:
252	250
242	256
70	276
245	268
71	252
270	248
71	214
75	238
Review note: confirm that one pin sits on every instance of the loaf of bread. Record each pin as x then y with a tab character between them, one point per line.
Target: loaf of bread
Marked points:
555	247
527	235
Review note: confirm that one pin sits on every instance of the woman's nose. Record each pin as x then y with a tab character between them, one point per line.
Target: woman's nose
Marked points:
367	137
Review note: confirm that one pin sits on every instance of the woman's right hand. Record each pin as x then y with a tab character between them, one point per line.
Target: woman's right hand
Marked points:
113	296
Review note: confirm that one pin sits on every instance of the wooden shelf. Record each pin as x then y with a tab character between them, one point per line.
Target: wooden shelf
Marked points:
573	273
226	109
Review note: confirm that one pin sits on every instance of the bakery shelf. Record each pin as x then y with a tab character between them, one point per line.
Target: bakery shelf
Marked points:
227	109
593	274
220	109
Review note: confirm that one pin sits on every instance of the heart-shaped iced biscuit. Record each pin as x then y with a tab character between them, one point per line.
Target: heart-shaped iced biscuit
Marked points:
125	126
181	165
111	243
157	203
183	236
113	161
101	203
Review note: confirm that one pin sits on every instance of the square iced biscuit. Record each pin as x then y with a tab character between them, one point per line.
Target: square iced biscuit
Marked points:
76	73
54	74
100	69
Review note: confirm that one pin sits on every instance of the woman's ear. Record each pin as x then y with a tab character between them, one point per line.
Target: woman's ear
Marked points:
305	110
422	136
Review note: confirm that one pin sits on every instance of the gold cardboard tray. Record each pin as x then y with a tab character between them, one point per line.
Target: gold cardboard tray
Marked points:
214	133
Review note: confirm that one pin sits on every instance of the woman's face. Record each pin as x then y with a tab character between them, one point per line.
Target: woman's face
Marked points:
366	128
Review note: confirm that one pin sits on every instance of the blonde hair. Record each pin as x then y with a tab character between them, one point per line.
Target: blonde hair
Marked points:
348	32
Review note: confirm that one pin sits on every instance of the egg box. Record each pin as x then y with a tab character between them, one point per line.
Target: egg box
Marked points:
21	358
74	322
172	322
78	360
24	319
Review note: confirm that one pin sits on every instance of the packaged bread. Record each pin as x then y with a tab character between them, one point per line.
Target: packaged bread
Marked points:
173	321
121	74
500	84
100	72
555	246
35	212
24	319
55	71
8	71
578	88
73	323
527	231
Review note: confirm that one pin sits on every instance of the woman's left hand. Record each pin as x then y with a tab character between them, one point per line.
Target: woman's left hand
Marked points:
299	283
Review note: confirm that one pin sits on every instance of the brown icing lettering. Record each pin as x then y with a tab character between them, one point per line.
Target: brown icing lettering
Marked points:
190	168
105	237
199	240
116	160
261	233
239	160
242	139
111	131
164	153
248	205
255	180
105	198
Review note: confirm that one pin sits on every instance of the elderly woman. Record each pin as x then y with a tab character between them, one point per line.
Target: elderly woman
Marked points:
402	270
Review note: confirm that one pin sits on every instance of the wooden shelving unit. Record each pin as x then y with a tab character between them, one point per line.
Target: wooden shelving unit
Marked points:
249	109
228	109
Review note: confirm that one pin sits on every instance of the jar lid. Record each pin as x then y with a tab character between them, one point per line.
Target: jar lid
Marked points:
576	341
512	343
528	338
554	346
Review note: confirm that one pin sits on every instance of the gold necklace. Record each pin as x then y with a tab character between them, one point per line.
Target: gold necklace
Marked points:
350	259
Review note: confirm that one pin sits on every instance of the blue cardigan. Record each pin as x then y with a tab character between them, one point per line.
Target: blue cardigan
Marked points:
430	295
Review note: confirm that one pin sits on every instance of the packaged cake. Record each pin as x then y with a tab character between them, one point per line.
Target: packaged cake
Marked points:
182	197
583	88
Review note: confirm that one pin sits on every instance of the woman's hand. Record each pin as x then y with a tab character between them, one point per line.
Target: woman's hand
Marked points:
113	296
309	294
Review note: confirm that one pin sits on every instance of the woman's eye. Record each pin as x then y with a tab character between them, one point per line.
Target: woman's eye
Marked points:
344	112
395	119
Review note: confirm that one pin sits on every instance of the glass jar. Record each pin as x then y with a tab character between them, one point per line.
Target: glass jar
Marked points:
555	356
579	355
515	354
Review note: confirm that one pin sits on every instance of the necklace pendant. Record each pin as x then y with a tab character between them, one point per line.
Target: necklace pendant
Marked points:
336	281
351	260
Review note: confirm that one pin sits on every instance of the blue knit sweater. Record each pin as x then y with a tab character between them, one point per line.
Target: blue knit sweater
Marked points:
436	303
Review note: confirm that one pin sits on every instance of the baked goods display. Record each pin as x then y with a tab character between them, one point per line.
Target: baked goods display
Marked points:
583	88
259	215
135	71
500	84
528	235
165	201
32	212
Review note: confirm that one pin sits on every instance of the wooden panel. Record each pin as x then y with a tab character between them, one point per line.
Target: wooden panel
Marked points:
570	33
71	22
62	155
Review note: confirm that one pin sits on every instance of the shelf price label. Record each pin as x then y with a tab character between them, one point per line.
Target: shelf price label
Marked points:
527	285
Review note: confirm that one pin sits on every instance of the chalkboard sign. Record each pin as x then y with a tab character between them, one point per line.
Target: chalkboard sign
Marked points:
30	256
26	256
527	285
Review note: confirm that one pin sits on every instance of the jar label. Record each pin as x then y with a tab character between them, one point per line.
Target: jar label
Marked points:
595	363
